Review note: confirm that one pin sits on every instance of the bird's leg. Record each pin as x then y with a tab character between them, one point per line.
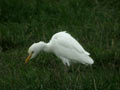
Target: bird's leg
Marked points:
66	69
66	63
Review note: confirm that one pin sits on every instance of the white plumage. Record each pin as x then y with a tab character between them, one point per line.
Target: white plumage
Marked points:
64	46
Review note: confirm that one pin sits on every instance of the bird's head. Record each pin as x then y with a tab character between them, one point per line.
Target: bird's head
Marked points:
33	50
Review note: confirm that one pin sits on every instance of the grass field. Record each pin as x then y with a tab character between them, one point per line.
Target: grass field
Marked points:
94	23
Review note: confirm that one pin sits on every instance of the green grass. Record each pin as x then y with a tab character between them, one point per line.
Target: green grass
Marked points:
48	73
94	23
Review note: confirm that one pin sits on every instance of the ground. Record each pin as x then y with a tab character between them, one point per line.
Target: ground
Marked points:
94	23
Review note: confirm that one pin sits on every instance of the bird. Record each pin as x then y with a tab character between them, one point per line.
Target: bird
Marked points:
65	47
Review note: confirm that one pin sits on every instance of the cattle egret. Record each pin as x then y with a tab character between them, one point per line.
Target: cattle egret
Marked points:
64	46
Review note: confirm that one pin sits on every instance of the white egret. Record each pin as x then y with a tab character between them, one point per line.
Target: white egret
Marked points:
64	46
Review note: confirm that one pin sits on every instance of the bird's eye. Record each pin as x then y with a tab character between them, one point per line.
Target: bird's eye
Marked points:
32	52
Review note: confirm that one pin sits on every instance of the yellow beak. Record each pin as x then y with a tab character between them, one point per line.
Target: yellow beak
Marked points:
28	58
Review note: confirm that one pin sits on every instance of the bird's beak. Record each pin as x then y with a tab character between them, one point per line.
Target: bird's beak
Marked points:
28	58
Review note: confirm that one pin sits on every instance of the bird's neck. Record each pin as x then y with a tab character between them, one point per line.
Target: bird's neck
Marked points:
45	46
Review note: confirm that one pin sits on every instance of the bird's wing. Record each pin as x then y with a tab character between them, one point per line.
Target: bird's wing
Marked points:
66	40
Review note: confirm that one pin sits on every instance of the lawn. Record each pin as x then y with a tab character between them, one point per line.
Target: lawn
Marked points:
94	23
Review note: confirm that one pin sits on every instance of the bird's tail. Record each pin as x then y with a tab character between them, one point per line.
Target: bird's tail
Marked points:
85	59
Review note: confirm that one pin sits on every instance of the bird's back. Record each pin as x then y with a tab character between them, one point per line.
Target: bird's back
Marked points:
67	40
